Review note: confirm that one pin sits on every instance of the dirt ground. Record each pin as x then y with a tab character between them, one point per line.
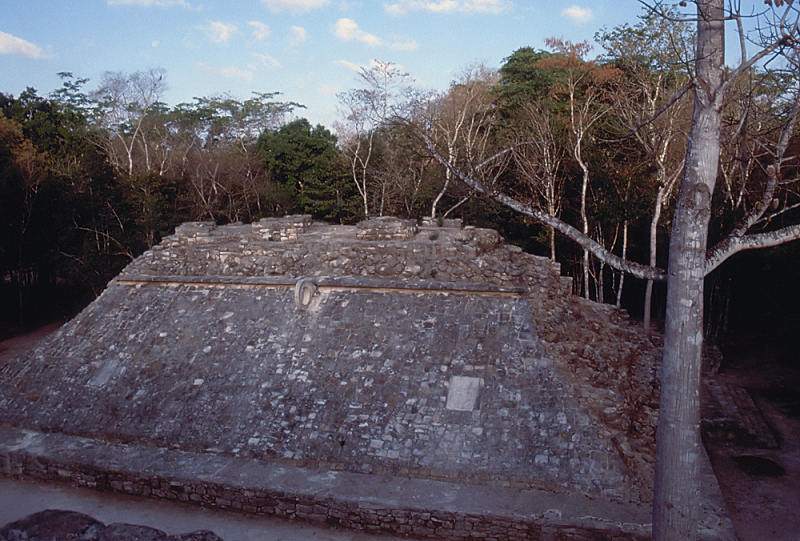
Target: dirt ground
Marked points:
18	344
761	485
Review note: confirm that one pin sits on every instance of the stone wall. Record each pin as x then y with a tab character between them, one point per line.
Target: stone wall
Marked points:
417	514
608	358
385	248
357	382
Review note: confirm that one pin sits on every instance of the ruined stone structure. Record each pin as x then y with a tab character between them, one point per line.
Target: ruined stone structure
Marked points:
385	349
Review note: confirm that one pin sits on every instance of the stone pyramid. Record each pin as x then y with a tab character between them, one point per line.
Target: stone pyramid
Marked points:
387	348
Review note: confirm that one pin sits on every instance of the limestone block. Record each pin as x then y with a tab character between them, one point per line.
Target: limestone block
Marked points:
386	228
195	229
463	393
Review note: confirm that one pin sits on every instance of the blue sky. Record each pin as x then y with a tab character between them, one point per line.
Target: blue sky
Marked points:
308	50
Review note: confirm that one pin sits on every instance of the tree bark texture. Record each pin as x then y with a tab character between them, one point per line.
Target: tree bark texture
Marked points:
677	488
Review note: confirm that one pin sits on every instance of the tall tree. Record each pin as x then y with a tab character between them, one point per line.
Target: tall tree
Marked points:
123	103
584	89
462	119
534	121
690	260
367	113
308	170
677	490
539	154
212	148
654	56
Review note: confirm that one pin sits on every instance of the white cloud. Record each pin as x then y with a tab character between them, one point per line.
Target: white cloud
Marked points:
17	46
295	6
447	6
349	65
219	32
405	45
348	30
149	3
299	35
260	30
577	14
267	60
231	73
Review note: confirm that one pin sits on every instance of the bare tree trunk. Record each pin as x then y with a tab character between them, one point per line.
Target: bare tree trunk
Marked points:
666	186
435	204
584	219
677	487
599	284
648	292
448	175
551	210
624	256
648	306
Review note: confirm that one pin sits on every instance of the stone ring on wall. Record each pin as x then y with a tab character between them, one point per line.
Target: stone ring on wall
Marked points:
304	291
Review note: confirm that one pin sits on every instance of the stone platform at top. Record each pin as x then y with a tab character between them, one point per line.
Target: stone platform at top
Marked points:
386	249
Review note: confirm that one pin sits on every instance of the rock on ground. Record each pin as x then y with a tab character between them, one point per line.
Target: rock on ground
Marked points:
56	525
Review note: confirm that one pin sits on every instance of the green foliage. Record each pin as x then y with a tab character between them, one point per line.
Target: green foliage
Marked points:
522	78
226	120
308	170
655	45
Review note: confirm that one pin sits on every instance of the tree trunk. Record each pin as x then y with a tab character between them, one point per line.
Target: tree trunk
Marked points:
599	284
648	293
648	306
551	210
584	220
677	486
448	174
624	256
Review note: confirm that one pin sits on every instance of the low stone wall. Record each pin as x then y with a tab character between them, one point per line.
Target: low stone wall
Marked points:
387	229
284	229
422	520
